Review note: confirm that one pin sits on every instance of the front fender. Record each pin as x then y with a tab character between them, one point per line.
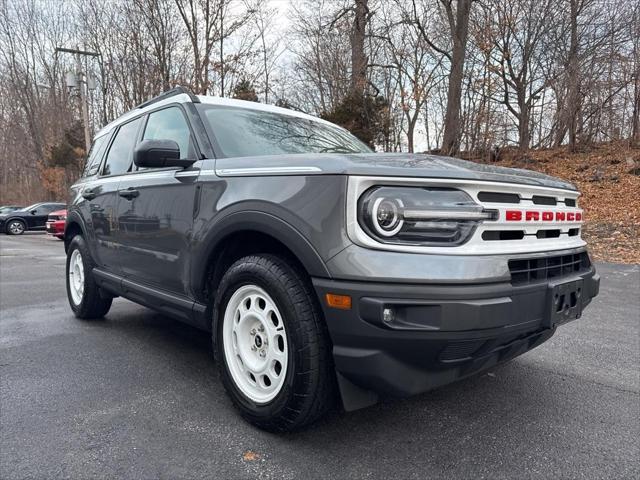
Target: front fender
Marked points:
257	221
74	217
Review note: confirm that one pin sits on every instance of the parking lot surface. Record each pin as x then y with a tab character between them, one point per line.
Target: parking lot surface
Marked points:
137	396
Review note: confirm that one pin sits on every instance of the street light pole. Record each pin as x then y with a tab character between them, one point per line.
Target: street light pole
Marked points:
84	89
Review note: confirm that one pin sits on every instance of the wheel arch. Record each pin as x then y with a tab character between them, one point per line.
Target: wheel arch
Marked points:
9	220
243	233
74	226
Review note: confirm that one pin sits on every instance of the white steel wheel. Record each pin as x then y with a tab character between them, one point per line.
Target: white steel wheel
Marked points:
76	277
255	344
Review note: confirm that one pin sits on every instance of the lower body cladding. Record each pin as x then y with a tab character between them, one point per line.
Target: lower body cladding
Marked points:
404	339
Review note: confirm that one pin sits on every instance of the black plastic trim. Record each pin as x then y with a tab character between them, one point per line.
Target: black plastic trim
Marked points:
179	90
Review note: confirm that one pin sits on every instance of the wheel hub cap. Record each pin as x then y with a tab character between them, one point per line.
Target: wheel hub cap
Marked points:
255	343
76	277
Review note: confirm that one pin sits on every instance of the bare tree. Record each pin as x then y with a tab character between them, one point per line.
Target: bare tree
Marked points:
518	46
457	19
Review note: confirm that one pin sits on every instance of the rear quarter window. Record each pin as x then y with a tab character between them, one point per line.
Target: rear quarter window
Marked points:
95	156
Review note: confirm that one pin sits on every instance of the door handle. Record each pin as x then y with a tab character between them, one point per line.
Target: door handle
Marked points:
88	194
129	193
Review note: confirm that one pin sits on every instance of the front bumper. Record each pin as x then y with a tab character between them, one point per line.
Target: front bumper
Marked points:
55	227
439	333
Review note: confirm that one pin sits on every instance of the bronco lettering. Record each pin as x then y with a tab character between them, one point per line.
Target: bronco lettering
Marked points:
548	216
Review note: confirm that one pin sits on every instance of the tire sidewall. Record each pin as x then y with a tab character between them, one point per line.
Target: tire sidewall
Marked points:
269	282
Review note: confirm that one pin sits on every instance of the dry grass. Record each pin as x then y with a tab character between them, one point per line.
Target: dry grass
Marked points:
610	193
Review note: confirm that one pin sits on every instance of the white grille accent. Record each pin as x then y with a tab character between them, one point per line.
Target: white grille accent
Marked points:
533	232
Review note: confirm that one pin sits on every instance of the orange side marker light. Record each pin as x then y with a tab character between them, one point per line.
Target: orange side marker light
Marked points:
343	302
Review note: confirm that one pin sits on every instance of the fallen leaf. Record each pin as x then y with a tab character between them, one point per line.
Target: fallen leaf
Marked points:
250	456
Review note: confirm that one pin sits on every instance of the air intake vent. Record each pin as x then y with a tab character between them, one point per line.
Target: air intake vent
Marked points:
497	197
503	235
539	200
533	270
555	233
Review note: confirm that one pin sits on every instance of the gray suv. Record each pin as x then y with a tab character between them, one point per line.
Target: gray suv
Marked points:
322	270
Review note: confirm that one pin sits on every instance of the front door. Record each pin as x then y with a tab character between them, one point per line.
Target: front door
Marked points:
155	211
37	217
101	194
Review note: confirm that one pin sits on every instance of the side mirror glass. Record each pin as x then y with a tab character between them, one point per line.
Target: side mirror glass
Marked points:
33	212
159	154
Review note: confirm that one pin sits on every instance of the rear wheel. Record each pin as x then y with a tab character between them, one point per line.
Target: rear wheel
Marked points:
271	344
83	293
16	227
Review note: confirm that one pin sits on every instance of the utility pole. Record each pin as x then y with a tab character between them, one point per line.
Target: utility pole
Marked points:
83	86
221	50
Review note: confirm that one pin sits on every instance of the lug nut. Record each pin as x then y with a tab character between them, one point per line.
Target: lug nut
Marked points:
261	328
263	354
253	347
253	331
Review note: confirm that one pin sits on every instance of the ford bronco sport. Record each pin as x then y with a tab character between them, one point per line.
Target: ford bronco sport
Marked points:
319	267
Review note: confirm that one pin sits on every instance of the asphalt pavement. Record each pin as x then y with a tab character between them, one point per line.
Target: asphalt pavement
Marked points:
137	396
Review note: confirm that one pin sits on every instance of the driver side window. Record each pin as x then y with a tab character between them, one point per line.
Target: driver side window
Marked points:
170	124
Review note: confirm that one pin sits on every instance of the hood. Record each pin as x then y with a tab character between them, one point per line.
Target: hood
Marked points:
388	164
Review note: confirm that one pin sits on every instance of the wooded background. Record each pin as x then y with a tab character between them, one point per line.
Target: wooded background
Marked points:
469	77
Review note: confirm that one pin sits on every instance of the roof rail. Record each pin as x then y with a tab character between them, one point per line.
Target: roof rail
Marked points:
170	93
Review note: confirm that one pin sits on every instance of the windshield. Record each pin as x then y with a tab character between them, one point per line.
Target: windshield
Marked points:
241	132
30	207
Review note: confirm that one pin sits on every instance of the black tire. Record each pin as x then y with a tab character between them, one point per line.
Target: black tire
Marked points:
309	385
21	227
93	305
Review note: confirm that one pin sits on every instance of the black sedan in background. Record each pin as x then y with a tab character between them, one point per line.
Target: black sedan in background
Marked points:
33	217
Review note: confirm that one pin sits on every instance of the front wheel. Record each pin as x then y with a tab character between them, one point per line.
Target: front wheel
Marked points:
271	344
16	227
83	293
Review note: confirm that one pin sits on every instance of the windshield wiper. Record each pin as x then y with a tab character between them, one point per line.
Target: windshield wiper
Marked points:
336	150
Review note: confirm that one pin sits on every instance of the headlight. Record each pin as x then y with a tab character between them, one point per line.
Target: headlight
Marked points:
426	216
62	217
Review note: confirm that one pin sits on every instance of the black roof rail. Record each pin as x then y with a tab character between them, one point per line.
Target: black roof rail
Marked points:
170	93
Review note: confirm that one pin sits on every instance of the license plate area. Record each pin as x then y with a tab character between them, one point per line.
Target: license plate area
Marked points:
565	302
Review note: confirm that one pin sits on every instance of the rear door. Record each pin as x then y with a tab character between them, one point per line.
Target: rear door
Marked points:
101	194
156	207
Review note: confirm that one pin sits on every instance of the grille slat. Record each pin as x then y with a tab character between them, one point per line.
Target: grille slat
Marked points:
531	270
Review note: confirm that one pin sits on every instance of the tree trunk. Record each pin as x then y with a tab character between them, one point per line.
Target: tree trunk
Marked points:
358	57
459	32
635	130
523	130
573	77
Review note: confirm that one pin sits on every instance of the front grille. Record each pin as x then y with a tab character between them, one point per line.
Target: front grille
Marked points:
457	351
53	217
532	270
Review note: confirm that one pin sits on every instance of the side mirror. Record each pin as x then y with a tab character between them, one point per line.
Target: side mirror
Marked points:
159	154
33	212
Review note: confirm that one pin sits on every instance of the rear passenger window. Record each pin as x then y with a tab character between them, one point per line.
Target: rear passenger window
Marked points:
121	152
170	124
95	155
48	208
